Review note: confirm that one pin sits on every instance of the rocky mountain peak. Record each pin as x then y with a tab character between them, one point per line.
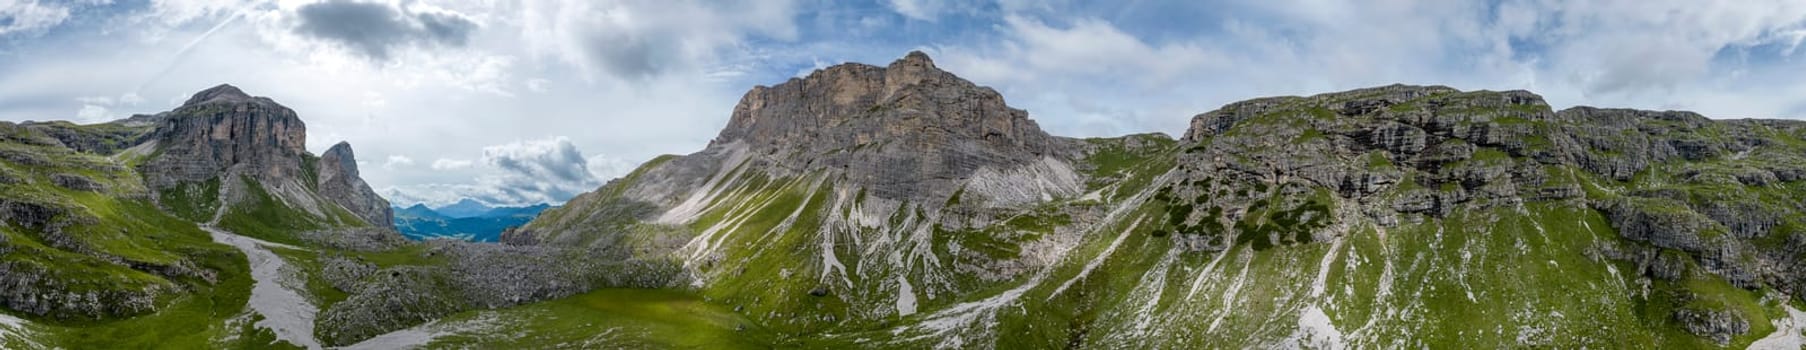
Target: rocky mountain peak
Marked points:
917	58
341	154
223	135
912	69
222	93
339	182
222	128
892	126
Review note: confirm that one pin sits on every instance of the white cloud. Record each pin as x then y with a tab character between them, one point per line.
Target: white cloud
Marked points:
633	79
637	39
1094	48
547	170
1649	46
921	10
29	16
176	12
552	160
97	109
397	161
1088	76
605	167
93	114
539	85
451	164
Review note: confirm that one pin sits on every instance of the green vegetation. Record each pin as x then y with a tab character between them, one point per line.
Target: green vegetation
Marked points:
259	215
310	171
1114	156
195	202
115	242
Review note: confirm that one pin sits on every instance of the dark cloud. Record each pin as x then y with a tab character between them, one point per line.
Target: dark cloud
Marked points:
633	54
376	29
550	168
449	29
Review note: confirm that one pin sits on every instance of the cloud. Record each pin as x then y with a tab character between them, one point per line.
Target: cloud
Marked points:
1096	48
376	29
663	75
96	109
547	170
553	159
93	114
1099	70
921	10
1088	77
639	39
539	85
1652	46
397	161
29	16
451	164
607	167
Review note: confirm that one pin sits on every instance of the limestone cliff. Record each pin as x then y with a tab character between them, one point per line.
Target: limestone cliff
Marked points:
222	130
340	183
223	139
905	131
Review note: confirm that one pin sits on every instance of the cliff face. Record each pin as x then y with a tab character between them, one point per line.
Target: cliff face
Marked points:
222	130
222	136
865	195
340	183
1414	154
905	131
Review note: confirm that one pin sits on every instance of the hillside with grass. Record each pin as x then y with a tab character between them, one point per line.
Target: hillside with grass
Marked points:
903	207
1397	216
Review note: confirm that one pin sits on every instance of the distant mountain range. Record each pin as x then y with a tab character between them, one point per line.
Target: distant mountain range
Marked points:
467	220
464	208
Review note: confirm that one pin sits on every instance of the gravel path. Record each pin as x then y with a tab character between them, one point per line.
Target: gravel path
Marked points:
285	311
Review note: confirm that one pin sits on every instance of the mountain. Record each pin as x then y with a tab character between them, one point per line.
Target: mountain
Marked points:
903	207
527	212
418	211
212	226
125	221
464	208
419	222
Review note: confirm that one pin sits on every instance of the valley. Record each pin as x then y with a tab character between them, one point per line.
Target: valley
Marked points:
901	206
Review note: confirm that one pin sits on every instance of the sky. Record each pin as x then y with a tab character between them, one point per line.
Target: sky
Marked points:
514	102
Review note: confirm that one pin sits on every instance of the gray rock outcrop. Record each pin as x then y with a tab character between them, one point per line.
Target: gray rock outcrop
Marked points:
339	182
223	129
905	131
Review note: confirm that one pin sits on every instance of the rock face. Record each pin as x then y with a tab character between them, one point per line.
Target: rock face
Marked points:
222	130
103	139
340	183
895	191
1719	326
77	182
222	135
1416	153
907	131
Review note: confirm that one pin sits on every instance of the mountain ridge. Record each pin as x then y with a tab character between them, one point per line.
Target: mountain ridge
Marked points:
1332	179
211	226
903	207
